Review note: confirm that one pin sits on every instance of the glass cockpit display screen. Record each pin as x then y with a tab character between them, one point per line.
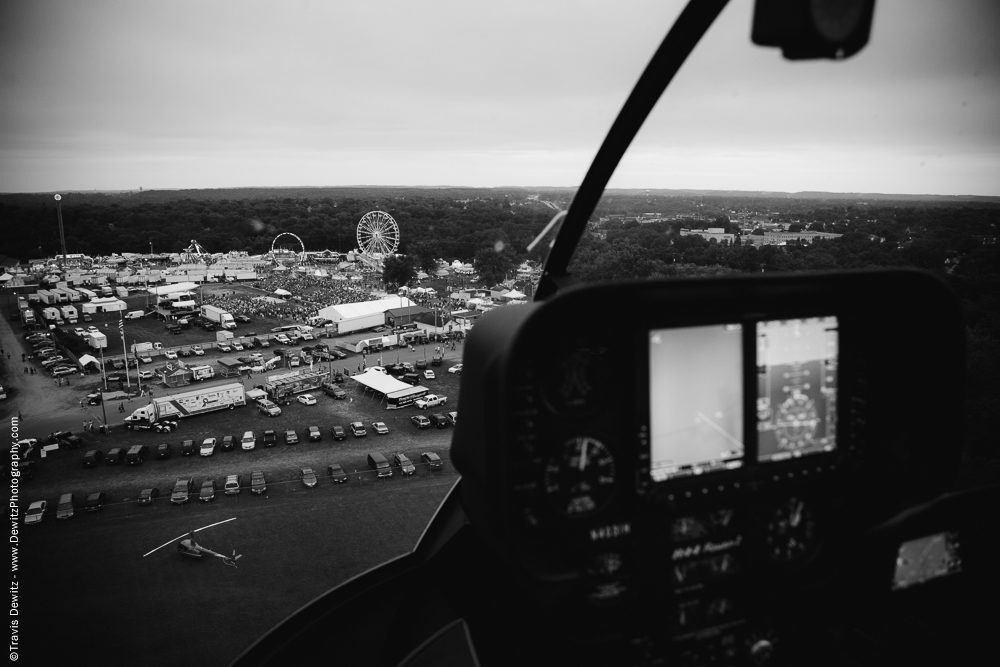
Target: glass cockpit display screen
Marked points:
696	400
926	558
796	387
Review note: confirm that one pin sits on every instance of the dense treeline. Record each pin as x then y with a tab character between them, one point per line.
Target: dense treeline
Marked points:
429	225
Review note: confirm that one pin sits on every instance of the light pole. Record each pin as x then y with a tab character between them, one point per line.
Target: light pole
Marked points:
104	411
62	234
104	373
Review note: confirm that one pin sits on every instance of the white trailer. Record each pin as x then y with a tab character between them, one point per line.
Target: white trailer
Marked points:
187	404
361	322
218	316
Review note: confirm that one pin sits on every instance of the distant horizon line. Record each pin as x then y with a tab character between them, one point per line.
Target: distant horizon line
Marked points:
805	194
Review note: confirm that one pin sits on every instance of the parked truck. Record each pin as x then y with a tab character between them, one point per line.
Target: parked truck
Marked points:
218	316
69	313
283	389
187	404
431	401
46	297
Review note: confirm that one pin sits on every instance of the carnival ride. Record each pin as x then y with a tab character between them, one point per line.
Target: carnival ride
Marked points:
196	254
378	237
282	253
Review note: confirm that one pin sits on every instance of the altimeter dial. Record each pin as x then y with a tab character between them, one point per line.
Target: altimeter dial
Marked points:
580	477
792	532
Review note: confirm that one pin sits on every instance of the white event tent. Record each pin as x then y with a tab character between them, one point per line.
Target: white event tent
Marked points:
174	287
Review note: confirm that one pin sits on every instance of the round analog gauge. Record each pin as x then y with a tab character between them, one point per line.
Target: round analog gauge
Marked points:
792	531
579	380
797	421
580	477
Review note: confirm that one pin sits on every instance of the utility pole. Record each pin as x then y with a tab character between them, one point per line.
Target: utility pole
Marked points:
62	235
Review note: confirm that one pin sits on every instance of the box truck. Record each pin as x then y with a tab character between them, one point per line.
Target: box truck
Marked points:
218	316
283	389
187	404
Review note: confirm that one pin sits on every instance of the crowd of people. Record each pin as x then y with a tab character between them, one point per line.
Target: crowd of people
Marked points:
321	290
309	295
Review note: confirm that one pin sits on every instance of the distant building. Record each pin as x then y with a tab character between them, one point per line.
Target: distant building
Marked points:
781	238
397	317
716	233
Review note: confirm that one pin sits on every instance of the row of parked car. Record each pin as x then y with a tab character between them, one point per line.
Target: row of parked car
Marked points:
136	454
66	507
46	353
184	486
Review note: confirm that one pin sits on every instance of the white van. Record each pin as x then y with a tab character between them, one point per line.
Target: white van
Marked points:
134	315
201	372
249	441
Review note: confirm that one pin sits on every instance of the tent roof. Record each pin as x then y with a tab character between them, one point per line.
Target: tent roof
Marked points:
170	289
380	382
409	310
87	359
514	294
349	311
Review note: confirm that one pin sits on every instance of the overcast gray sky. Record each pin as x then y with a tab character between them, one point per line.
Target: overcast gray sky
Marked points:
208	94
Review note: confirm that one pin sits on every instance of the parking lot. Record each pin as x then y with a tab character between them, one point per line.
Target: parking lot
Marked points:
94	561
62	471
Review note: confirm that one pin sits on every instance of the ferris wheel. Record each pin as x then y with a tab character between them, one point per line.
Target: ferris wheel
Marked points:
378	234
280	252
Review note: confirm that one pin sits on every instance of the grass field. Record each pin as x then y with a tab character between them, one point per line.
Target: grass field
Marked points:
90	593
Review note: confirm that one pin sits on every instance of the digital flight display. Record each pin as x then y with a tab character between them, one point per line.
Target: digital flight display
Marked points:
696	400
926	558
796	387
